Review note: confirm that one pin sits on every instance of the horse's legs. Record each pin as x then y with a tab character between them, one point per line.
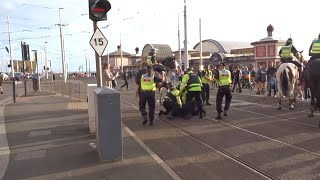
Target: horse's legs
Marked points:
312	106
291	104
279	102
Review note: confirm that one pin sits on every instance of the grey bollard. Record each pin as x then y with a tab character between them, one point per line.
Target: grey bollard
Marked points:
108	124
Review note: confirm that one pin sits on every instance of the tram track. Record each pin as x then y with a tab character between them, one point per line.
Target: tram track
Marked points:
216	149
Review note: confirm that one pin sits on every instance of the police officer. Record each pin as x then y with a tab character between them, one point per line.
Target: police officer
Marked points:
314	50
172	103
148	89
223	78
206	80
287	53
191	82
142	71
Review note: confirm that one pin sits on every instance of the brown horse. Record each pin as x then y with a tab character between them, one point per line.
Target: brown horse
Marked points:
312	77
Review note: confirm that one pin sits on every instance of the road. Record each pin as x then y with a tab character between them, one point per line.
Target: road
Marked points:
255	140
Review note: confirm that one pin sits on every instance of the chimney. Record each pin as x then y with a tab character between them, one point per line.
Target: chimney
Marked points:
270	30
118	47
137	50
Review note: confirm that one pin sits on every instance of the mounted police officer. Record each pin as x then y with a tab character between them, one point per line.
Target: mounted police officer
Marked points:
223	78
191	82
207	77
172	103
288	52
314	50
148	89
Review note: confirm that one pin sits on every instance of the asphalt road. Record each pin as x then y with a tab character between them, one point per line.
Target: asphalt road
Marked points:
282	144
255	141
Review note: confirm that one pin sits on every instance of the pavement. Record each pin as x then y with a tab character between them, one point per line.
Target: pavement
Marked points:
48	139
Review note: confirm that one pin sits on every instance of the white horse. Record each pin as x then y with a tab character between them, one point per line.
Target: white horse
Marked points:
287	76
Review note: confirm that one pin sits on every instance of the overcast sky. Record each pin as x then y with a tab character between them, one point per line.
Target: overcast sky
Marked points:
151	21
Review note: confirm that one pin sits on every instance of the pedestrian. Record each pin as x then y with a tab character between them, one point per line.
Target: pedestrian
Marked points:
107	76
207	77
223	78
1	80
125	79
273	84
261	79
236	79
191	82
148	92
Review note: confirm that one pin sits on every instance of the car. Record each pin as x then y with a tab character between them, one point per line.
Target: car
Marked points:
17	76
5	77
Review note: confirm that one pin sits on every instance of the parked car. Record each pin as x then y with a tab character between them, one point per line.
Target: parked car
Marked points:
17	76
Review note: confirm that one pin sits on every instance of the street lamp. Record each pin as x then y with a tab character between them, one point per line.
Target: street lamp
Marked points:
46	59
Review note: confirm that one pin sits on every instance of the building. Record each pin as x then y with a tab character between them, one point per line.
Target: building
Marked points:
128	60
266	50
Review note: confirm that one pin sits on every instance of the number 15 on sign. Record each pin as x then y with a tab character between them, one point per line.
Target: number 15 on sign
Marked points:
98	42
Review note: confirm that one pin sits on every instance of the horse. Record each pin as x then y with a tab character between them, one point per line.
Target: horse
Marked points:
287	77
312	79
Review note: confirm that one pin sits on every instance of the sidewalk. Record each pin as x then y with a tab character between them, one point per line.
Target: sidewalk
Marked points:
49	140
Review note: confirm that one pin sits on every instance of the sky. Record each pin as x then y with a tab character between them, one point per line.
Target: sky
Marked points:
141	22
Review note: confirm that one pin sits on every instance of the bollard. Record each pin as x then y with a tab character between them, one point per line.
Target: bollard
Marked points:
108	124
91	107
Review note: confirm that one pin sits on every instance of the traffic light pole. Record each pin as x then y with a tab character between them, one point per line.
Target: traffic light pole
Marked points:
98	60
23	69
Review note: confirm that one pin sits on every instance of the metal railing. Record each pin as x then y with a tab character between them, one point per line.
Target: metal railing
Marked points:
74	89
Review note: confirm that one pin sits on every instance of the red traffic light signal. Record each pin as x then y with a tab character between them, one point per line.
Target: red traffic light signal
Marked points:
98	9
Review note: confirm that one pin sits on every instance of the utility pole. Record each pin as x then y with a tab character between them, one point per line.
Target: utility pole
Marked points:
201	60
89	67
85	54
11	60
186	64
62	48
179	41
46	60
121	54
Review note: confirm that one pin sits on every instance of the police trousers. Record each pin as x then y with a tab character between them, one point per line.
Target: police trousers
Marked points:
196	95
205	92
223	91
172	108
150	98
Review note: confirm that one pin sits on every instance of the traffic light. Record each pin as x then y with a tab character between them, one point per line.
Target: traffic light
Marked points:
25	51
98	9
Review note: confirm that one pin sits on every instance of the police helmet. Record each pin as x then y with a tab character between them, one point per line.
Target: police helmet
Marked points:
289	41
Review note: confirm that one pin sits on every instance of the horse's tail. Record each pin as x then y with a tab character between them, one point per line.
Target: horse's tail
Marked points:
284	76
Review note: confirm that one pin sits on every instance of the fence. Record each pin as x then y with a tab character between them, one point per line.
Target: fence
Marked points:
74	89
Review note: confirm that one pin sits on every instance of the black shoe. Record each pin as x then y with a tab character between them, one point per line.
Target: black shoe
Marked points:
208	103
225	113
151	123
1	92
232	90
219	116
145	120
258	93
240	91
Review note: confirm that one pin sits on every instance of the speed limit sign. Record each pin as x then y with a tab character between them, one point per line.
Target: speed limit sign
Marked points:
98	42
